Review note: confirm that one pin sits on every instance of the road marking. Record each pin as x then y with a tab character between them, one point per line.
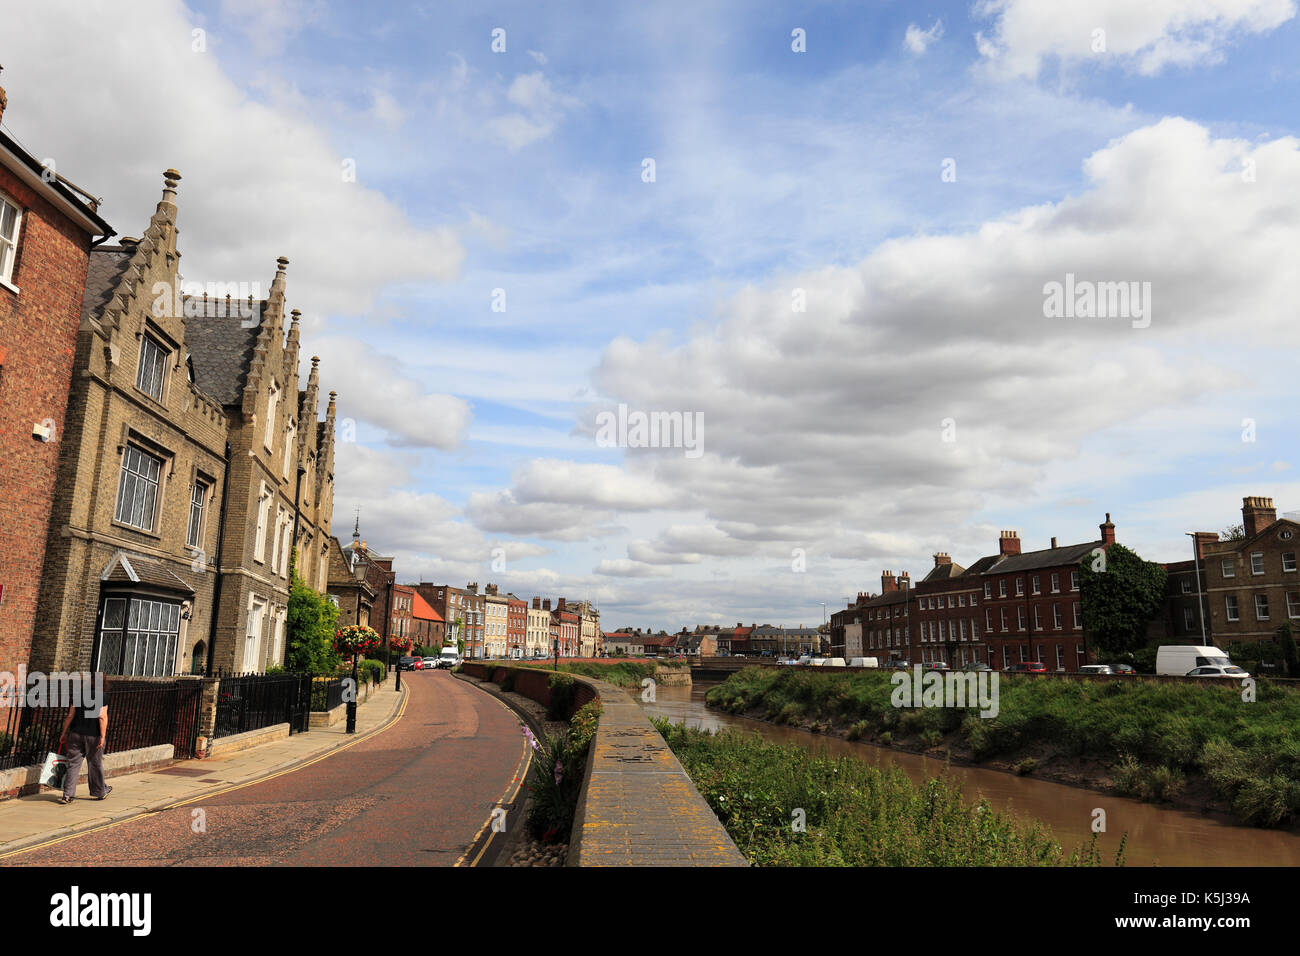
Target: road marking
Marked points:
216	793
517	783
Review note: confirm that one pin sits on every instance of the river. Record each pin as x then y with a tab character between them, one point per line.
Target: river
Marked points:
1157	836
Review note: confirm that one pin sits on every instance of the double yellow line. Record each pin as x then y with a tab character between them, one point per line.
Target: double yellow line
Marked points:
511	791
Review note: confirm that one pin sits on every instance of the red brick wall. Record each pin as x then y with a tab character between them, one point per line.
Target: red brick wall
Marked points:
38	336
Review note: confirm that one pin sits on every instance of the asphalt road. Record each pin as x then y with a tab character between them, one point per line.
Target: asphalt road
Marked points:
420	793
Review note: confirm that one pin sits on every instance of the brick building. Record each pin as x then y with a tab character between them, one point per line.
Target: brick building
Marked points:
427	626
462	610
190	468
46	235
949	622
496	616
568	628
1252	583
537	640
516	627
887	619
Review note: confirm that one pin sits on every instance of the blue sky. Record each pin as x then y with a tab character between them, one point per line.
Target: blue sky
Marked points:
775	170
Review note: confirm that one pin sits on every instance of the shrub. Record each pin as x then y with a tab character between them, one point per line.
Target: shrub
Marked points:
858	730
931	738
309	625
559	765
562	694
886	739
1026	766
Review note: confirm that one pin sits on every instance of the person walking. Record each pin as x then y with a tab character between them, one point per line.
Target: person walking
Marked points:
85	730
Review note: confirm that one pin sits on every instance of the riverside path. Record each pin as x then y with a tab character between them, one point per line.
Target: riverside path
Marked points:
420	793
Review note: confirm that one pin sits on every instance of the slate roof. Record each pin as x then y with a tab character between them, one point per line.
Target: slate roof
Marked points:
942	572
1047	558
103	271
137	569
221	346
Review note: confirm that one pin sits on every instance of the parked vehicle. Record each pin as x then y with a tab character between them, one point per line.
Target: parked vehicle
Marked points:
898	664
1218	670
1026	667
431	664
977	666
1096	669
1124	669
449	657
831	662
936	666
407	662
864	662
1178	659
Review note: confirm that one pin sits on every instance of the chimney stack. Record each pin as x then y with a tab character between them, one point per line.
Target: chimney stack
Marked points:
942	558
904	580
1053	542
1009	543
560	605
1107	531
863	597
1201	539
887	582
546	604
537	604
1257	514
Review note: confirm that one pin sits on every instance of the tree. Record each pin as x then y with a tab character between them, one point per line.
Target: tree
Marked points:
1120	598
310	625
1233	532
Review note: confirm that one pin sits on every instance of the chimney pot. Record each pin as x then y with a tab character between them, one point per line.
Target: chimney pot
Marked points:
1107	531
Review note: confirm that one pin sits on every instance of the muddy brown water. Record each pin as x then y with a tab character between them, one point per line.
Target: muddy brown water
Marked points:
1157	836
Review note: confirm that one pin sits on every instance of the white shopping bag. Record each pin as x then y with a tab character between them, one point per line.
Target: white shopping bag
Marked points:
52	773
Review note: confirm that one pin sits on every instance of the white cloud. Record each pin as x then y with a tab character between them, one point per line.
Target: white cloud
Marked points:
632	569
540	107
1146	36
917	40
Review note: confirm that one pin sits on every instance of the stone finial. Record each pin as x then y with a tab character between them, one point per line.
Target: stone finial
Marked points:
281	263
4	100
315	360
294	315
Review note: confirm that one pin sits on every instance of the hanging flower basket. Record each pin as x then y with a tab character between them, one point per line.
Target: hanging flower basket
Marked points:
355	639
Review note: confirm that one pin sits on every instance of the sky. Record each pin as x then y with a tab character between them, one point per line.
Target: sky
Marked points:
824	231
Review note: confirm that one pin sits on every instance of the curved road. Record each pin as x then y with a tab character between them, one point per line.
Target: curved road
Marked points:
419	793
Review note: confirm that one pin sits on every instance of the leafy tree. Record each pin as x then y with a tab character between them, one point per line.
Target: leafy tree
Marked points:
1233	532
1120	601
310	626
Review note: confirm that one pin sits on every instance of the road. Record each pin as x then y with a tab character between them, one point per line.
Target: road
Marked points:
419	793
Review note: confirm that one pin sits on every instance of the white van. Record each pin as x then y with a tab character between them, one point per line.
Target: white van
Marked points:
864	662
827	662
1178	659
449	657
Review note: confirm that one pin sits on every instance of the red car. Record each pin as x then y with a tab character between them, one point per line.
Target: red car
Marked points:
1026	667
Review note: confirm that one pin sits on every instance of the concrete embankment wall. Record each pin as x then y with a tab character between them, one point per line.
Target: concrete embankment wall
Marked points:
638	806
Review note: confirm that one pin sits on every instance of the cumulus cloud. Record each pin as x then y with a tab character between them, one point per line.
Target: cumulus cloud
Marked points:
1147	36
620	568
917	40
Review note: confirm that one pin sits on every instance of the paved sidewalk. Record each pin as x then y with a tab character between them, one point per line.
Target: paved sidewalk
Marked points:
40	818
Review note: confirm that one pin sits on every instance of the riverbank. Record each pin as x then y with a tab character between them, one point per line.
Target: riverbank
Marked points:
1191	746
786	806
619	672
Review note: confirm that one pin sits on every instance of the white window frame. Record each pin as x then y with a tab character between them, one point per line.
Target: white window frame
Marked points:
1258	596
149	348
1292	607
198	499
1228	568
1256	563
1291	555
9	246
156	481
263	516
1231	607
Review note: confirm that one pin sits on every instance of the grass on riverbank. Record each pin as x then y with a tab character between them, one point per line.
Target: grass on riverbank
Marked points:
1157	736
621	673
787	806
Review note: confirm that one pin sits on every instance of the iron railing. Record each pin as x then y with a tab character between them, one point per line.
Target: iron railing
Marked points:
140	714
326	694
253	701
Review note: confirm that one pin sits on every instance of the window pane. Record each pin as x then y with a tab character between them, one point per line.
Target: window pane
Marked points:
8	219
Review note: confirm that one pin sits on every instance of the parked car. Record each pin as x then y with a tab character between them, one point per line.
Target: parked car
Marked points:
431	664
406	662
1178	659
1026	667
1124	669
898	664
864	662
1096	669
936	666
977	666
1218	670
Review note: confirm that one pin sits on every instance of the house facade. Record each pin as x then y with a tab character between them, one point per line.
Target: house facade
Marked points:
1252	582
46	236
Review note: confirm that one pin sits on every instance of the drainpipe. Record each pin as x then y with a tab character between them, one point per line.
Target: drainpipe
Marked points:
216	587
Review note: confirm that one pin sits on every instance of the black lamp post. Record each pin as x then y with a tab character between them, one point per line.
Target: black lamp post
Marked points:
556	648
352	704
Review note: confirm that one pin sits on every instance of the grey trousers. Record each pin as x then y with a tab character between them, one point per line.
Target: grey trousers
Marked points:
79	746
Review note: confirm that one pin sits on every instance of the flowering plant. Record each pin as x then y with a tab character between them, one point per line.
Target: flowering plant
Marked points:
355	639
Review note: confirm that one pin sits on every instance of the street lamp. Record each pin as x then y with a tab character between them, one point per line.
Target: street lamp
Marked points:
1200	604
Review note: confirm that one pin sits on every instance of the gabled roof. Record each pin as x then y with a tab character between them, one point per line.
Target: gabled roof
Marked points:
31	171
221	343
421	609
942	572
124	568
1240	544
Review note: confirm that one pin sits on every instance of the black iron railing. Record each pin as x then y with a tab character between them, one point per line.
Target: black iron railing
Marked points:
140	714
253	701
326	693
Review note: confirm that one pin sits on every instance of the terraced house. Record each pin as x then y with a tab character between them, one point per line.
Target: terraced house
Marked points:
47	231
190	468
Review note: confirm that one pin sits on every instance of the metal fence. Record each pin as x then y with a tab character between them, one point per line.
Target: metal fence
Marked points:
253	701
326	693
141	714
